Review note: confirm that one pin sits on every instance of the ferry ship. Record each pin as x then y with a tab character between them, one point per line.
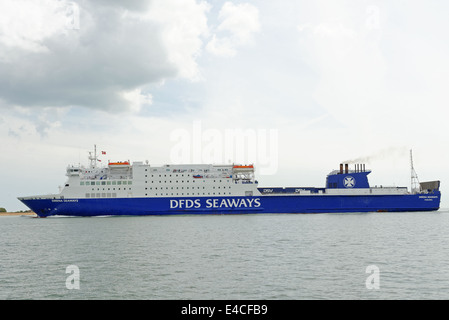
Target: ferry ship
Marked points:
122	188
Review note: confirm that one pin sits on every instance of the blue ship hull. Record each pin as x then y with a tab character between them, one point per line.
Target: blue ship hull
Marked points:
235	205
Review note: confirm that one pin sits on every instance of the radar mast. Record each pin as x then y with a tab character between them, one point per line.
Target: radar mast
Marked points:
93	159
414	186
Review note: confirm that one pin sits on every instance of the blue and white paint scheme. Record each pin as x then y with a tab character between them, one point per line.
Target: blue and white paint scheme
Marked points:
123	188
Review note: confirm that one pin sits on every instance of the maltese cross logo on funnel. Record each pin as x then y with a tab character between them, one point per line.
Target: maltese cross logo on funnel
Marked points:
349	182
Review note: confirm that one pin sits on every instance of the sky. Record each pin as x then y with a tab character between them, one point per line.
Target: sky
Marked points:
295	87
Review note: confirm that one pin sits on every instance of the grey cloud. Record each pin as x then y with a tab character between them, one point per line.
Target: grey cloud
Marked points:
88	67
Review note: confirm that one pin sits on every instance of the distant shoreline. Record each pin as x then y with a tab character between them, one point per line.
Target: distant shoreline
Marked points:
28	213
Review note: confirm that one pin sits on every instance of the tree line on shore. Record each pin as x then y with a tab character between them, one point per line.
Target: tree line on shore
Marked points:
4	210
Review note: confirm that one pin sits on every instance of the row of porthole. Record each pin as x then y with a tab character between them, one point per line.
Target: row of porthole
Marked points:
193	194
187	181
177	188
114	195
103	183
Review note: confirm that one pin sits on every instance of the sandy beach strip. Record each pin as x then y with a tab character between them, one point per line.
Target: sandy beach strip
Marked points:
17	214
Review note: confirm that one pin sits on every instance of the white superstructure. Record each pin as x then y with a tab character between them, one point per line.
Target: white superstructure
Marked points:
121	179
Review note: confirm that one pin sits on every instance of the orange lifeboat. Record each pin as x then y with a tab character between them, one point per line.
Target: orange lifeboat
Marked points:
120	164
244	167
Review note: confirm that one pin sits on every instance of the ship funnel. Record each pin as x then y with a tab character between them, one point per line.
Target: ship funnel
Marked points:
341	168
346	168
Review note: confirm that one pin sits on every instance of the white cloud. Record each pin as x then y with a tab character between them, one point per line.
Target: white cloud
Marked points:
333	30
25	24
224	47
241	20
184	24
239	23
137	99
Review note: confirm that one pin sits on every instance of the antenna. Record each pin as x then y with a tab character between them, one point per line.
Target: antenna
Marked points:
414	182
93	159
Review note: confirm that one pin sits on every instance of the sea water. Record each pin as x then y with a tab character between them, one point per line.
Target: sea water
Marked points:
266	256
